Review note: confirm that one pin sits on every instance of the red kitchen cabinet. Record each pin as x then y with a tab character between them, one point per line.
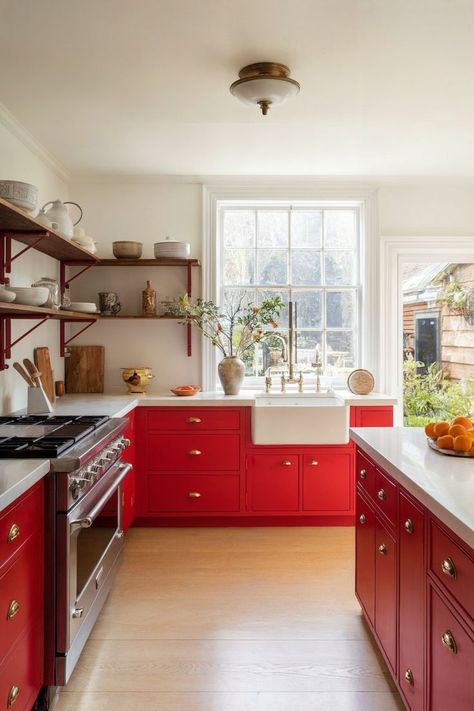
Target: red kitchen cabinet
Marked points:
372	416
365	556
386	591
328	481
198	451
193	493
272	482
451	654
411	603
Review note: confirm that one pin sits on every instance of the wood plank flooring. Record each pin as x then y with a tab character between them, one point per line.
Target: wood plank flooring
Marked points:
232	619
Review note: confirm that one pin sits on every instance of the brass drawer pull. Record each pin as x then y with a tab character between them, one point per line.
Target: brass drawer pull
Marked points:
192	420
383	550
409	678
13	533
362	518
12	696
449	641
195	452
194	495
409	527
363	474
286	463
381	495
13	609
448	568
313	463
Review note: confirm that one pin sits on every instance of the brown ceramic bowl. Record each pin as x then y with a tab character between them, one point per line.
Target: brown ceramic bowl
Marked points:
127	250
186	393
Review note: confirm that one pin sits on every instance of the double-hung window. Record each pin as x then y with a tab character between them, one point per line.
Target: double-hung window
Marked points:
309	255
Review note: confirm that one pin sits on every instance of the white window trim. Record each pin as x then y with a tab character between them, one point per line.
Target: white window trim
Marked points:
365	196
394	252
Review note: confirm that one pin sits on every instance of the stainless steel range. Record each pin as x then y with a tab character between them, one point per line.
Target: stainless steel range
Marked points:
84	521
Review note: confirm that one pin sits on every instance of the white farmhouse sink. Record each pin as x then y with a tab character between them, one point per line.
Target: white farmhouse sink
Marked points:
299	418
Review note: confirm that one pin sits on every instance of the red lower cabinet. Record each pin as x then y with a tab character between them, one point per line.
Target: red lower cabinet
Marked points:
386	591
193	493
272	483
21	674
411	602
328	482
365	556
451	655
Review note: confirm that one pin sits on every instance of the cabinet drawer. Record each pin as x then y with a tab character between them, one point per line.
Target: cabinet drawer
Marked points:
365	473
193	493
21	674
451	651
365	556
19	600
452	567
386	591
19	521
386	496
194	452
192	420
327	482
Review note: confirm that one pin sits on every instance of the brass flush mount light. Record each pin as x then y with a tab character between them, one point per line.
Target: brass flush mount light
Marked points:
264	84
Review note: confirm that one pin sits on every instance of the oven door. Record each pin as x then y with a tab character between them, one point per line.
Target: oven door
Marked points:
90	542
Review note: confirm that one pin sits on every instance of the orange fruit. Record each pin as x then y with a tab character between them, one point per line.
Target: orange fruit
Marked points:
429	429
445	442
462	443
456	430
470	433
464	421
441	428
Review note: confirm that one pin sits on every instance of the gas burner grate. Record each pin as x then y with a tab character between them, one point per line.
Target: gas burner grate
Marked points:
14	444
7	421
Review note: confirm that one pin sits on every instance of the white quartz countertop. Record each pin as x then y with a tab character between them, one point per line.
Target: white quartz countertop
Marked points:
444	484
17	476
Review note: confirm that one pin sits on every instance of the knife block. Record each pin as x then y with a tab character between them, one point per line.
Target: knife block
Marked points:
38	402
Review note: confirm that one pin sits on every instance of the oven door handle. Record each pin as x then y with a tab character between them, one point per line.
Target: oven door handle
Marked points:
88	520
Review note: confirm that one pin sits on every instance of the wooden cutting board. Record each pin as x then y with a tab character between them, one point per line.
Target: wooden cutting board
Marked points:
84	369
43	363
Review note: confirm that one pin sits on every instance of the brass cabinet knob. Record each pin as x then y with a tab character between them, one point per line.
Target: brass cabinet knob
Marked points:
13	609
13	533
448	568
383	550
12	696
408	526
381	495
194	495
409	678
362	518
195	452
192	420
363	474
286	463
313	463
449	641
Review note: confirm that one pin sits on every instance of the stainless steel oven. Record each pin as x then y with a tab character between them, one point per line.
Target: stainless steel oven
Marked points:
89	539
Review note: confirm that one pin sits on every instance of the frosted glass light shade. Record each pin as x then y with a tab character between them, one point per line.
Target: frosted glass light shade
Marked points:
264	84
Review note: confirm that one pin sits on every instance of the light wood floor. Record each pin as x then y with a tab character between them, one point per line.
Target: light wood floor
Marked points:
232	619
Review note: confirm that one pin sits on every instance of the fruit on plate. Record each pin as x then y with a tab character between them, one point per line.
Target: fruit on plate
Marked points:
464	421
462	443
445	442
457	435
441	428
183	390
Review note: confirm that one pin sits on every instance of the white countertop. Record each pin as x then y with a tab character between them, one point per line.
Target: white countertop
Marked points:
17	476
444	484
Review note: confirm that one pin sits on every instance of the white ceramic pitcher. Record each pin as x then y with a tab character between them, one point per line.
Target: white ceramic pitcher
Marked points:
59	214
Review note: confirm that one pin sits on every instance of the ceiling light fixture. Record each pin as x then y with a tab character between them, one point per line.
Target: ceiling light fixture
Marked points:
264	84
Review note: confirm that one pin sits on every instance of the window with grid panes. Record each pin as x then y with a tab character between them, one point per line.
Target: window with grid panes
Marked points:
306	255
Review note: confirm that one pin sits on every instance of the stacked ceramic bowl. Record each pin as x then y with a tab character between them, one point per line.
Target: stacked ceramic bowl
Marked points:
20	194
172	249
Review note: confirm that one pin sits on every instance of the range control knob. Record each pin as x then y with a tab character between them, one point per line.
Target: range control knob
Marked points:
124	442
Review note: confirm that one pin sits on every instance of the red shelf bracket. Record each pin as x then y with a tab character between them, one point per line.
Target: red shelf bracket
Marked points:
6	343
63	342
66	281
6	258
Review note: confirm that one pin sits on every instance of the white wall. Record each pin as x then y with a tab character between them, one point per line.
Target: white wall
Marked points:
17	162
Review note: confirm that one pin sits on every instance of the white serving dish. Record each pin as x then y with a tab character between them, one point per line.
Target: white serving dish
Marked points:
87	307
172	249
23	195
31	295
7	296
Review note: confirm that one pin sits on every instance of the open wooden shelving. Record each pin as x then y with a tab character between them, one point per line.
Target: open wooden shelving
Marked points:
145	318
148	263
40	311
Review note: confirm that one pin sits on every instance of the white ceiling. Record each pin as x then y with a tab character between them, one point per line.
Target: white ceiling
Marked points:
140	87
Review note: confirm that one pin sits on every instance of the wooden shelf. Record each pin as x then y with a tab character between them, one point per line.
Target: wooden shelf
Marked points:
40	311
145	318
20	226
148	263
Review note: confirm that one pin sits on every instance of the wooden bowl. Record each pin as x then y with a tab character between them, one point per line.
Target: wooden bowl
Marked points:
186	393
127	250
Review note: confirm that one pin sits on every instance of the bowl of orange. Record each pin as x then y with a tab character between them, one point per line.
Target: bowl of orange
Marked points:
186	390
455	438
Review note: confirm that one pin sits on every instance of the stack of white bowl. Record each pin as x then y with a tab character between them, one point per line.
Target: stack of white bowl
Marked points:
172	249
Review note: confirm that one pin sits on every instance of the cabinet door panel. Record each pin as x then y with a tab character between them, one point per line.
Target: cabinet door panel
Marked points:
386	496
365	473
193	420
193	493
411	602
372	416
193	452
386	591
327	482
365	556
453	567
451	670
273	482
